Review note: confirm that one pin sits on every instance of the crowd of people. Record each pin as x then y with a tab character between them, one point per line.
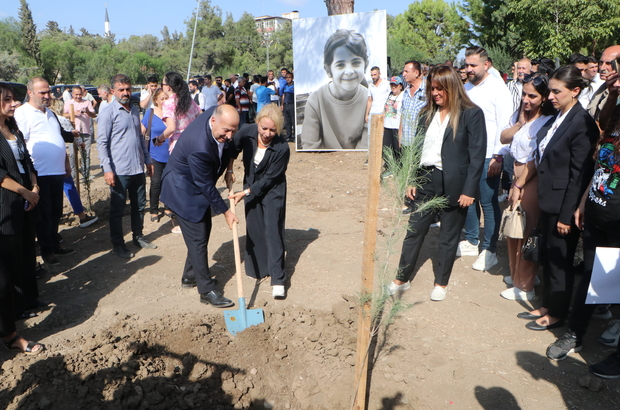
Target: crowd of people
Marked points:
548	137
553	134
37	163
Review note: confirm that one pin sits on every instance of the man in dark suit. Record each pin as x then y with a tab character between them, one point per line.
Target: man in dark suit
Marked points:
188	188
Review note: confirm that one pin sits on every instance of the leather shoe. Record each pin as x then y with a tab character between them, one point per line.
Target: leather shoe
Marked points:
216	299
535	326
143	243
528	316
191	283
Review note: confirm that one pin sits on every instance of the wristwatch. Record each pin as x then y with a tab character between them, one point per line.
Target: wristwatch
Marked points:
498	158
247	192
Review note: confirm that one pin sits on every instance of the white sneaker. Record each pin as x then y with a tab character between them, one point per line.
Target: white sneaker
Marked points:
393	288
467	249
486	260
517	294
508	280
438	294
436	225
278	291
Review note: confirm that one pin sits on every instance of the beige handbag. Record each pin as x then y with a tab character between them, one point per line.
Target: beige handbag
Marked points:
513	222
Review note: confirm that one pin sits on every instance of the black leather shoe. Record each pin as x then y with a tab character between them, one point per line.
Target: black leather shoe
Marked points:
191	283
528	316
50	259
63	251
122	251
143	243
535	326
216	299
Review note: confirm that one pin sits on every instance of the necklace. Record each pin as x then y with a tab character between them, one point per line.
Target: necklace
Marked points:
260	138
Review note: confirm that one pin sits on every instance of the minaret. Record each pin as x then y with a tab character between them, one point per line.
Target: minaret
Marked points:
106	24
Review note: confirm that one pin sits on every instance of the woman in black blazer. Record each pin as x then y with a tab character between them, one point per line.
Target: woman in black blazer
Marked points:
453	151
265	159
565	167
19	194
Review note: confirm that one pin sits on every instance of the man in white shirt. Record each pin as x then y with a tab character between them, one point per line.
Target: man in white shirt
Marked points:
492	70
198	97
274	85
378	92
492	96
41	131
213	94
146	95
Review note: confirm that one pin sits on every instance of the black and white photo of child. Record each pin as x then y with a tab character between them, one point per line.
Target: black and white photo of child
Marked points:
334	114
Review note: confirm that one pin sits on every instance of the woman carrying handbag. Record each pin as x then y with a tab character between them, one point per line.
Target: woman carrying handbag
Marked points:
534	112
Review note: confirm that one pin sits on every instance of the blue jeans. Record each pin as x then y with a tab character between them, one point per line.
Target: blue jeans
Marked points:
490	208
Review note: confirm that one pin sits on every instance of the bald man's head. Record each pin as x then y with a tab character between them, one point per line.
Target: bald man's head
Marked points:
606	65
224	122
524	67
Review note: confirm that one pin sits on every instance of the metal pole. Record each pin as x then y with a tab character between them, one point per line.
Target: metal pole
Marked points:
191	54
268	44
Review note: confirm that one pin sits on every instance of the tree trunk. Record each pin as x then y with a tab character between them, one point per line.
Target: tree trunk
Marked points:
335	7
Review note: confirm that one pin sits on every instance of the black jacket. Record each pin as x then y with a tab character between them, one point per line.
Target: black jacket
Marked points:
463	155
270	173
566	166
11	203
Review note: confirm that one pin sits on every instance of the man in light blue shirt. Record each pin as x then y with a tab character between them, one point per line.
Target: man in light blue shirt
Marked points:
122	154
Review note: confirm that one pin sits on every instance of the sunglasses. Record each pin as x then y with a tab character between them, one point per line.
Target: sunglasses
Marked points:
536	79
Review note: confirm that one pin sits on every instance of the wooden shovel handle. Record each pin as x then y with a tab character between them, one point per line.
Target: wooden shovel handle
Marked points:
237	250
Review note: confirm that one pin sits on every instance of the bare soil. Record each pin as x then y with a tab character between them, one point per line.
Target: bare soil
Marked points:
125	335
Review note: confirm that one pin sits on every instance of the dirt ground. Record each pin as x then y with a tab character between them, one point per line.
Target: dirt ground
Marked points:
125	335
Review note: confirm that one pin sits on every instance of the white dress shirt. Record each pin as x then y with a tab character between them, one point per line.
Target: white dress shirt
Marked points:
433	141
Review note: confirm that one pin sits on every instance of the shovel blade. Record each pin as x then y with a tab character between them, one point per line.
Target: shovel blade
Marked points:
242	318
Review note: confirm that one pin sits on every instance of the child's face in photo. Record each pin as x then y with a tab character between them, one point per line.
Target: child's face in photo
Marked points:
346	71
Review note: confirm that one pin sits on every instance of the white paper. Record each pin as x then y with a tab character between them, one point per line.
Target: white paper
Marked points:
605	282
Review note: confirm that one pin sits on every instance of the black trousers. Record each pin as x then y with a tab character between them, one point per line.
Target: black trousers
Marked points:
452	221
289	119
593	237
134	187
390	141
155	191
196	237
18	284
264	245
50	204
558	271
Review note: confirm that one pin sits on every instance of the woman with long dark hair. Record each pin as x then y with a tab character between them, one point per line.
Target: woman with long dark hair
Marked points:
453	151
179	110
565	166
19	194
533	113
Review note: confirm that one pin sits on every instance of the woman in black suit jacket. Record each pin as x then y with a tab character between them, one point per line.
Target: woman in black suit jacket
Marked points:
265	159
453	151
18	195
564	166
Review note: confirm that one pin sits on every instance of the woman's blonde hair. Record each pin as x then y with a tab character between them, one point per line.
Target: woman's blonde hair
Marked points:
156	95
274	113
448	79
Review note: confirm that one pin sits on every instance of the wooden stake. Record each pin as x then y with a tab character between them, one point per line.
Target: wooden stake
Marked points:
375	149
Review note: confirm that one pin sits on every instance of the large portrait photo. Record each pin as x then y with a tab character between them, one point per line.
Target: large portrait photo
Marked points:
333	57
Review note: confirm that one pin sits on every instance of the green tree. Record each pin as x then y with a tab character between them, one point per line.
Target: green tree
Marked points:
493	24
30	42
10	33
557	29
432	27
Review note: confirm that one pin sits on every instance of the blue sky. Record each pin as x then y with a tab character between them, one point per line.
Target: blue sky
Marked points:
128	17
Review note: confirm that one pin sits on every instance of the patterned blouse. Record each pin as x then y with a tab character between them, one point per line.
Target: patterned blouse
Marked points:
168	107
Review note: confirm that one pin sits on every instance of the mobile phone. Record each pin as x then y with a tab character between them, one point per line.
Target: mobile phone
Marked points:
154	141
26	205
614	65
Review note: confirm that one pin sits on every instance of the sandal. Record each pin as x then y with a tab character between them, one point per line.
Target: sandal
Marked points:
29	347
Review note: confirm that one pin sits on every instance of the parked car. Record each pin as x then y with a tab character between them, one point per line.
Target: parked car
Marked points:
20	90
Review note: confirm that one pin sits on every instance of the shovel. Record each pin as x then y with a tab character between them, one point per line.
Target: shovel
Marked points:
242	318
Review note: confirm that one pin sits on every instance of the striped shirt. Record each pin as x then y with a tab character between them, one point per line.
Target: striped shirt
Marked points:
516	89
410	109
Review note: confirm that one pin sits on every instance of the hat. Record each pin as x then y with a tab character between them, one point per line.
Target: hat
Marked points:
396	80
